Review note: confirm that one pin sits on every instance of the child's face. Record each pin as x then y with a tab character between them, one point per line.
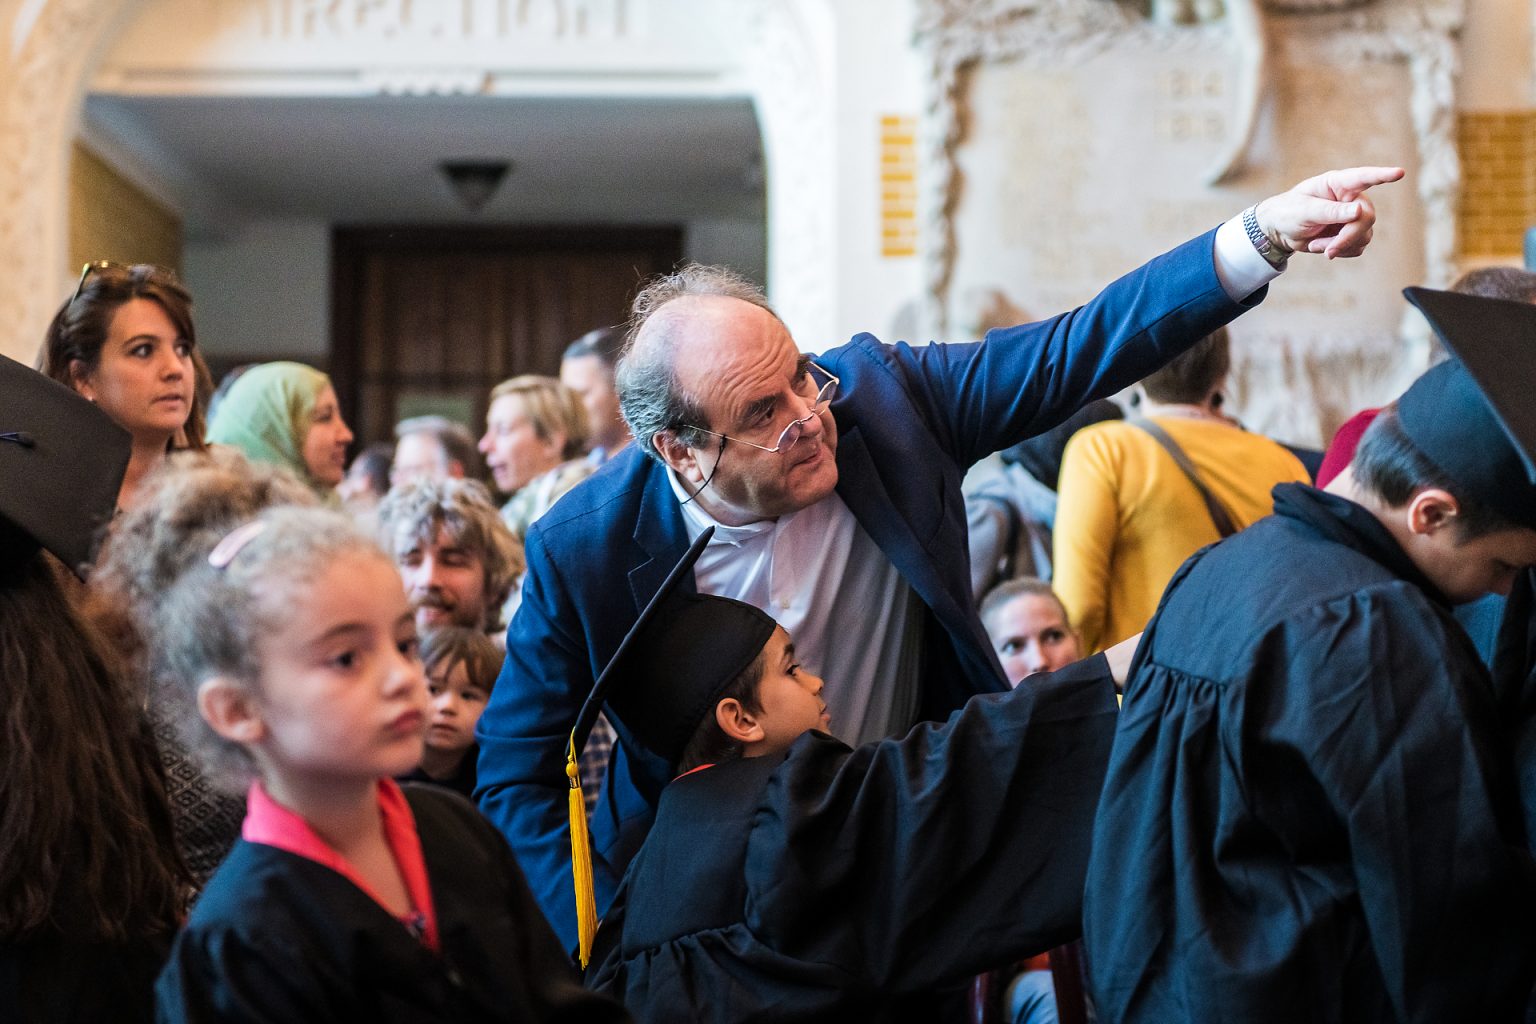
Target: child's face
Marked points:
456	707
341	693
789	695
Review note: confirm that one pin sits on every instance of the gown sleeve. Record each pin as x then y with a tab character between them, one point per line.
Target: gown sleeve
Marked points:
910	862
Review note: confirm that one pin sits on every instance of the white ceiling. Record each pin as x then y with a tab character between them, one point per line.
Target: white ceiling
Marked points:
374	160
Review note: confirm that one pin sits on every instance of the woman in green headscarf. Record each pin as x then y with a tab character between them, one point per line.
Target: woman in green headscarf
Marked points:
286	413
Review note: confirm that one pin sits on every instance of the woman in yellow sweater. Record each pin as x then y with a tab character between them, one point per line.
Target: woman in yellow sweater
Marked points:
1128	516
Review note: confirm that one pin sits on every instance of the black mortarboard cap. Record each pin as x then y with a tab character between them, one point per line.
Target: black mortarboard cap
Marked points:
672	664
61	463
1474	415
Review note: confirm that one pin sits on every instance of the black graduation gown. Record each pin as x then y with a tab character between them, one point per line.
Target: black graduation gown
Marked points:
462	781
277	937
1304	817
831	884
48	979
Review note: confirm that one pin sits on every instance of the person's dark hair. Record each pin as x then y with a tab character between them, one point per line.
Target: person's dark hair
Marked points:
1391	467
86	842
451	646
606	343
1194	374
453	438
1510	283
374	462
79	330
646	379
709	744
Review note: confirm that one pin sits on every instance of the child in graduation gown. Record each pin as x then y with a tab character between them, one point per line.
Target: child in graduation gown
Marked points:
293	650
791	878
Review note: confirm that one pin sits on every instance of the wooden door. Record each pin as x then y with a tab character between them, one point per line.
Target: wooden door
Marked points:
430	319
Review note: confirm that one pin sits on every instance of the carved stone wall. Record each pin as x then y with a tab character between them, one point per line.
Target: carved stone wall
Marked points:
399	46
1071	139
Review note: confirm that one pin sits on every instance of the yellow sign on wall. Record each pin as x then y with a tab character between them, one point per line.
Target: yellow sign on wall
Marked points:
898	186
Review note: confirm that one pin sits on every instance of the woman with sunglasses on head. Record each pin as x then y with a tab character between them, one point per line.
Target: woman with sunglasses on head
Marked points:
287	414
125	341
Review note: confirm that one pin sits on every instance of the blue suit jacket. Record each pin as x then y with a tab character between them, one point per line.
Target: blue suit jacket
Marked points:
910	422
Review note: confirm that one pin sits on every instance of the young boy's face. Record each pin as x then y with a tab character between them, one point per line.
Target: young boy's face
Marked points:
456	707
789	695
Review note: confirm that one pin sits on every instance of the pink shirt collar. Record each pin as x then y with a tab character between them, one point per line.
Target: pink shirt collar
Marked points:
271	824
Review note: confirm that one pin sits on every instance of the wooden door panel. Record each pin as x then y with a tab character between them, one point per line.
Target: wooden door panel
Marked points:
433	317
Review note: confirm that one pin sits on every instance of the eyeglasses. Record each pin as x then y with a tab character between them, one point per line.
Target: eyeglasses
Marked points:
791	433
96	265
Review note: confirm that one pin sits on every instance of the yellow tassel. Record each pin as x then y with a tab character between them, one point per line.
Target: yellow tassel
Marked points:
581	861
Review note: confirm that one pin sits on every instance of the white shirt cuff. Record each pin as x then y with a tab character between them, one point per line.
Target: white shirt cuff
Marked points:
1239	267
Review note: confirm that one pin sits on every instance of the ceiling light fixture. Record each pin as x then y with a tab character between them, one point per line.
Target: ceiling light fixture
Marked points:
474	181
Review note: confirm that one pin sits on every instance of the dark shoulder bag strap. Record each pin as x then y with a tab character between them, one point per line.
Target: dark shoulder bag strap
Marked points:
1219	514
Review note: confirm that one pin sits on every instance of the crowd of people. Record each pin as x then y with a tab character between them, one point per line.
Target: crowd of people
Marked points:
705	686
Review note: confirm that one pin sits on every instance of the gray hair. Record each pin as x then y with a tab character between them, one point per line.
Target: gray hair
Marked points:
463	508
650	396
455	440
212	621
183	508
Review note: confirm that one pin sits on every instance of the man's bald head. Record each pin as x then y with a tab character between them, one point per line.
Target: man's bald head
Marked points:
669	312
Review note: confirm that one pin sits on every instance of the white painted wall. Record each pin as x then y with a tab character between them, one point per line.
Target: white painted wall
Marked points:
266	290
879	72
738	244
1496	55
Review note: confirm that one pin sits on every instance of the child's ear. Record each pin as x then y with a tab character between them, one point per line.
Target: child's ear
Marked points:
230	710
737	722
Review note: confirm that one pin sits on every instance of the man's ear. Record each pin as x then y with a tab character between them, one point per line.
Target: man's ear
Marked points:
1432	510
678	456
737	722
230	710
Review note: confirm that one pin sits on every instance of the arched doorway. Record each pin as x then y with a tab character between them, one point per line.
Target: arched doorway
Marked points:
57	47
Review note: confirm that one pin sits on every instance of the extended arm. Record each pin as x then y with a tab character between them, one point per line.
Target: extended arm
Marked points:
1020	381
961	846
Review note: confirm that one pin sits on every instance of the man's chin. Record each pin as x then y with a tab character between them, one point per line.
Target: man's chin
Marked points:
432	618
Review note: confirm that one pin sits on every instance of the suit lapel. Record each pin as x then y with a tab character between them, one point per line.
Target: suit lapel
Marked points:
660	537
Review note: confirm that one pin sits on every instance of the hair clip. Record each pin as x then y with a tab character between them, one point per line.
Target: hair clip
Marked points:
20	437
226	550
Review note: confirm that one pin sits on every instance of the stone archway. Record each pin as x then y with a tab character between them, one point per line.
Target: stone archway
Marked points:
55	46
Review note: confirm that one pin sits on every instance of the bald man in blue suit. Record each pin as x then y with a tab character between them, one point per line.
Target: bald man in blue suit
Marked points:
834	484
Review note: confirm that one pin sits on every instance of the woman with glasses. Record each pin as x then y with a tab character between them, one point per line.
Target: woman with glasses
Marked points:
125	341
286	414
